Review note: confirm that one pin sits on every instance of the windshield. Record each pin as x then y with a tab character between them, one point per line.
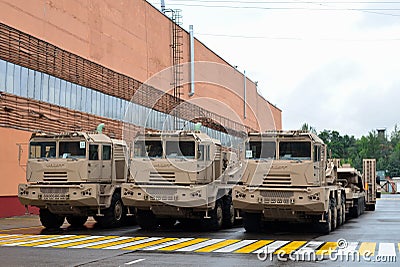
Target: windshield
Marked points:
260	150
176	149
149	148
72	149
295	150
42	150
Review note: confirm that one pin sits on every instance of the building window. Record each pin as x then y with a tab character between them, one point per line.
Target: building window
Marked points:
3	75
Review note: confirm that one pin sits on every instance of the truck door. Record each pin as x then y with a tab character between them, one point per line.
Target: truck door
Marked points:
209	163
106	162
317	164
94	164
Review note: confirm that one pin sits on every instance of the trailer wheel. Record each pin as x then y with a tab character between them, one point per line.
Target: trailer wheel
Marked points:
49	219
114	215
146	220
252	222
215	222
228	212
371	207
378	194
76	221
362	205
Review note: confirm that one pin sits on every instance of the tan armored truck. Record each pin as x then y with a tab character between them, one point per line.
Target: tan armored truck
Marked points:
183	175
353	182
288	178
75	175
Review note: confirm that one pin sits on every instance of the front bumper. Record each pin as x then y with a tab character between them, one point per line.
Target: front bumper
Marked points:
276	201
83	195
196	198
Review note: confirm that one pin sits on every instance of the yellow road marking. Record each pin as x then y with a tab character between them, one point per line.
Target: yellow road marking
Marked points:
117	242
52	241
22	228
27	238
292	246
84	242
184	244
253	247
399	246
139	246
217	245
327	248
367	249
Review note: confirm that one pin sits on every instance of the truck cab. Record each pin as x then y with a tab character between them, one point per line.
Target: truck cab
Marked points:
180	175
75	175
288	178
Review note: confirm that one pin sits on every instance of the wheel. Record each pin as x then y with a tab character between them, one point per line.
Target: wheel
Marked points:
371	207
378	194
167	222
326	227
49	219
343	213
228	212
339	215
363	205
215	221
114	215
334	213
252	222
76	221
146	220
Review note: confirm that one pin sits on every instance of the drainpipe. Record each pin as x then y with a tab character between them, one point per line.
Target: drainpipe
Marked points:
191	93
244	94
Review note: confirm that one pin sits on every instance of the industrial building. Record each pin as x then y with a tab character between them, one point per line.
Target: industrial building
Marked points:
70	65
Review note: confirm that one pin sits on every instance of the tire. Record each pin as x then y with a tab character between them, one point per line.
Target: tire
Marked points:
378	194
339	216
343	213
326	227
146	220
50	220
228	213
334	214
252	222
76	221
215	222
371	207
114	215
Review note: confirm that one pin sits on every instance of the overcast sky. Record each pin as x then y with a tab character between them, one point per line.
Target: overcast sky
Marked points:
332	64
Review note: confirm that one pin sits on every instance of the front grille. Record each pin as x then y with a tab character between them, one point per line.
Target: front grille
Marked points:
162	177
277	194
277	197
55	176
277	180
162	191
53	190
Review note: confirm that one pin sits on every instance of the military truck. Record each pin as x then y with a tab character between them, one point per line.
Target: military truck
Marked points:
288	178
353	182
182	175
74	175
